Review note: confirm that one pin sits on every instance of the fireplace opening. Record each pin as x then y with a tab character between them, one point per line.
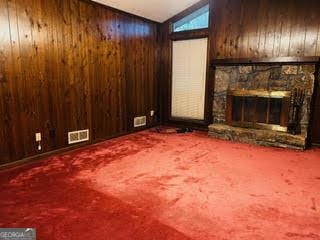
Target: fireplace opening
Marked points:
258	109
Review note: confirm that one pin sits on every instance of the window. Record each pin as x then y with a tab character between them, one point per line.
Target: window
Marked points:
189	68
196	20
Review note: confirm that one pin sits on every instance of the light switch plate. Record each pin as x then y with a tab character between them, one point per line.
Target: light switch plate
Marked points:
38	137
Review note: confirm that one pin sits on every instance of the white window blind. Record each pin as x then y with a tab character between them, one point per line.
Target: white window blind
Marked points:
189	68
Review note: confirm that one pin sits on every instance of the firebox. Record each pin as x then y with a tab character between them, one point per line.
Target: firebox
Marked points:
258	109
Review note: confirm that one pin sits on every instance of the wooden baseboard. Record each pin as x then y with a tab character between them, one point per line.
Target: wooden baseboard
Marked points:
43	156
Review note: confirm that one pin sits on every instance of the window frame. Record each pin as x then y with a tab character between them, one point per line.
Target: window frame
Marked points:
189	13
186	35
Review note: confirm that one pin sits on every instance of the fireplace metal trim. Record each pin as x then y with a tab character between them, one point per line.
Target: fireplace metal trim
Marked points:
259	93
284	118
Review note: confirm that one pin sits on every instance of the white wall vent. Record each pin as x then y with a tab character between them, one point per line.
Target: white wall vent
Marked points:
140	121
78	136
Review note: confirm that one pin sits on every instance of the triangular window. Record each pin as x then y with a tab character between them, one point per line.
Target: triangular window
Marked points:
199	19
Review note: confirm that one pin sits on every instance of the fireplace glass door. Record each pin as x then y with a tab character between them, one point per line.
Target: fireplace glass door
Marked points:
258	109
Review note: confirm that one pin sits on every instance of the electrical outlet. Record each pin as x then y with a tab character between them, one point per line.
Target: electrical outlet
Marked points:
38	137
152	112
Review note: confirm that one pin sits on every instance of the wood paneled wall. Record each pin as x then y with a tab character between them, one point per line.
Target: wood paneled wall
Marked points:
68	65
165	71
251	29
265	28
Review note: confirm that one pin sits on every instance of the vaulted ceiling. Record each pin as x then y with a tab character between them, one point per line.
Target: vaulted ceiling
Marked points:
157	10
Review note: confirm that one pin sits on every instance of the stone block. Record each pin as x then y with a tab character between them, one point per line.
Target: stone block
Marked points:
303	82
243	78
289	70
219	117
280	85
275	73
219	103
245	69
222	80
260	80
303	69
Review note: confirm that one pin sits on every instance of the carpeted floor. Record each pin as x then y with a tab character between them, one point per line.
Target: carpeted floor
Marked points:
155	186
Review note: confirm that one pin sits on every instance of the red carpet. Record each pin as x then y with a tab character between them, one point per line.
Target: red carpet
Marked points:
157	186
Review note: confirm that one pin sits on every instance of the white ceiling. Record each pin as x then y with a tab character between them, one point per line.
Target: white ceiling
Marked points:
157	10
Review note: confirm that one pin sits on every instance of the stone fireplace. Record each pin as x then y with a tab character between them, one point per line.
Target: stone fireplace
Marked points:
252	103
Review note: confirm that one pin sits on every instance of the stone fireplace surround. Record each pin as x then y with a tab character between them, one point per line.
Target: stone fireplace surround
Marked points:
269	77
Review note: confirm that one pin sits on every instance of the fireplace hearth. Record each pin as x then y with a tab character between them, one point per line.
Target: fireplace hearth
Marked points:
252	103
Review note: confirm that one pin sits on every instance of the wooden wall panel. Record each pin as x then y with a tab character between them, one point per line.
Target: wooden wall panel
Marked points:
165	70
4	85
68	65
265	28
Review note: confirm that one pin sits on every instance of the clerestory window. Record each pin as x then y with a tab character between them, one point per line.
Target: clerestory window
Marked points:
199	19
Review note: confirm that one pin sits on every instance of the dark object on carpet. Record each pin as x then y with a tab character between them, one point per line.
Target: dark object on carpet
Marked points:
184	130
166	130
173	130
